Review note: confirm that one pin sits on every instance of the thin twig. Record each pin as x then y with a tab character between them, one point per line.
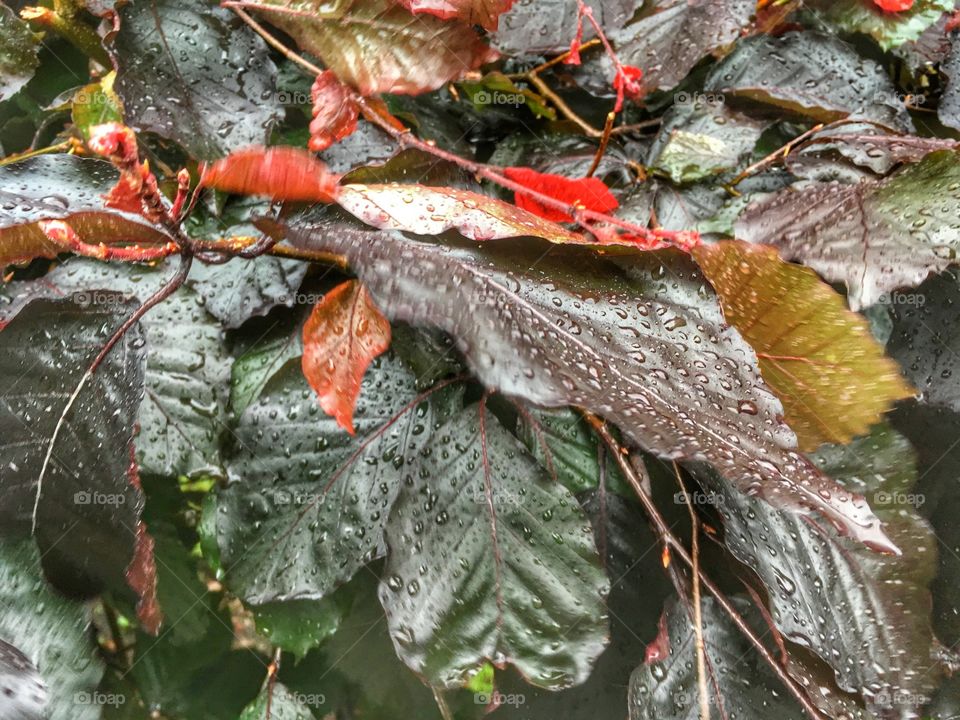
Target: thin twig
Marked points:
697	605
666	535
770	159
608	126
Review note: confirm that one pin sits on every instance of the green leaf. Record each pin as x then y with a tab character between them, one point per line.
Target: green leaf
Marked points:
18	53
377	46
819	357
68	188
298	626
305	504
194	74
640	342
95	104
817	76
283	704
863	613
67	464
666	688
876	236
889	29
51	633
252	371
489	560
701	139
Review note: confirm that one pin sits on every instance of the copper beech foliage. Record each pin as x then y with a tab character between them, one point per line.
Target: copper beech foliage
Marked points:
398	358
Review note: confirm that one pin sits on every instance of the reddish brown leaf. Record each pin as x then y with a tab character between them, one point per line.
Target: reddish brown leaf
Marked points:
433	210
894	5
342	336
281	173
473	12
141	573
588	193
335	111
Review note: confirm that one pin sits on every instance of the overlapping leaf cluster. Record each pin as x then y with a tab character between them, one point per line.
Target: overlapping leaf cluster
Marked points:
348	465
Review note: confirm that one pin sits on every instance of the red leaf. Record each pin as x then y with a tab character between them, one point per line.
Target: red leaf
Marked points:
628	82
141	573
344	333
894	5
589	193
335	111
433	210
281	173
473	12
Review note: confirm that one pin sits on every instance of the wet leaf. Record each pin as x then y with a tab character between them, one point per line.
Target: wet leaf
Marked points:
194	74
18	53
702	139
925	338
547	26
335	111
890	22
376	46
296	531
434	210
819	357
642	344
45	644
671	36
96	104
241	289
67	482
863	613
282	704
342	336
280	173
253	369
948	111
817	76
298	626
666	688
68	188
489	560
183	408
473	12
876	236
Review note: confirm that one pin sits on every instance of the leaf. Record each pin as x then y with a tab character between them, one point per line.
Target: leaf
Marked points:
18	50
640	344
948	111
589	193
342	336
863	613
96	104
297	530
876	236
434	210
376	46
485	13
194	74
925	338
890	22
235	291
183	409
298	626
666	688
45	641
66	478
546	26
819	357
280	173
702	139
283	705
253	369
489	560
335	111
68	188
671	36
864	146
816	76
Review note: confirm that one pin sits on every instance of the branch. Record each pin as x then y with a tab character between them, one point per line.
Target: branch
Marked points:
669	539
